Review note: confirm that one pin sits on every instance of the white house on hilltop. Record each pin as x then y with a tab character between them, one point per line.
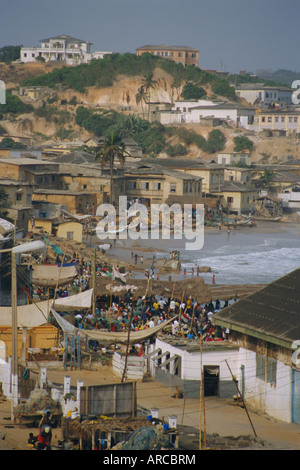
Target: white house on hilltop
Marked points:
199	111
61	48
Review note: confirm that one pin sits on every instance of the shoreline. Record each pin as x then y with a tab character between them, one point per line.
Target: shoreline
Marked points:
214	240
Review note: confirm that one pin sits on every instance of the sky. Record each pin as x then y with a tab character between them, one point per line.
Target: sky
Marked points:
231	35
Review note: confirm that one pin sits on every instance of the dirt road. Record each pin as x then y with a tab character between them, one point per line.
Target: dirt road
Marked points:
222	417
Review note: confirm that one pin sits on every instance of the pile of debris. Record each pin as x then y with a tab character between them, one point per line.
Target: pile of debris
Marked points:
154	438
35	407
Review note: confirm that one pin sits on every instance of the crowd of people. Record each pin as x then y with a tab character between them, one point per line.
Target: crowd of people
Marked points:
191	320
117	313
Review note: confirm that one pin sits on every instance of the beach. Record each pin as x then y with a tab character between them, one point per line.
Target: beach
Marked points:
257	255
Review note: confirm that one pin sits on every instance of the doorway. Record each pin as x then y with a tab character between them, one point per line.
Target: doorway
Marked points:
211	380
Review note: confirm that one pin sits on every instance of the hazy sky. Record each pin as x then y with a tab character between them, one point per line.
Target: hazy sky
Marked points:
231	35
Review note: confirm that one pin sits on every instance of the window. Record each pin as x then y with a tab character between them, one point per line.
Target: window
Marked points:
131	184
70	235
271	371
270	119
19	197
263	119
266	369
145	185
283	119
157	186
172	187
260	366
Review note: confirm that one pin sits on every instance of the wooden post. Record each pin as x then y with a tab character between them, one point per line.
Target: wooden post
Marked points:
177	271
14	363
94	282
180	310
200	407
244	404
127	348
111	286
56	287
203	400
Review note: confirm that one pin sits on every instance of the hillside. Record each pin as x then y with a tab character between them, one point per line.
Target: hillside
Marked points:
54	117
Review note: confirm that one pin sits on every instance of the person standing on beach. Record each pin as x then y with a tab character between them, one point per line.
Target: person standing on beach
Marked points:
213	279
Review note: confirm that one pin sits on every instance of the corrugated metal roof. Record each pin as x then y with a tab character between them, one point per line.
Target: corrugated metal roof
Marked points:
273	311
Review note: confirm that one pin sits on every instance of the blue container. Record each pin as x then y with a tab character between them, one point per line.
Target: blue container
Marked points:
166	427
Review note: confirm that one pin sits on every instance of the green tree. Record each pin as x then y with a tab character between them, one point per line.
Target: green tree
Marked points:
112	148
242	144
142	97
4	204
9	143
14	106
192	92
267	177
148	84
215	142
9	53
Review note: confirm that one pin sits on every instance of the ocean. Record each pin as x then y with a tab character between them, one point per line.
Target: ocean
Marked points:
258	255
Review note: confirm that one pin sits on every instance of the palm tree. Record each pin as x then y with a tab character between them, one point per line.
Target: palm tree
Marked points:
149	84
112	148
142	97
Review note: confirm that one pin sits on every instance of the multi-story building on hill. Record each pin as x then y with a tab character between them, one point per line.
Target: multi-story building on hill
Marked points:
61	48
264	96
180	54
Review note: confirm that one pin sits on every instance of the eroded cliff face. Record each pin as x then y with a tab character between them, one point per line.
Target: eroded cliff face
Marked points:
121	97
123	93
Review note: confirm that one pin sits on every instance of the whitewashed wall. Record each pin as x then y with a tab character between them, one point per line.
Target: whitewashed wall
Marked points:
272	400
190	361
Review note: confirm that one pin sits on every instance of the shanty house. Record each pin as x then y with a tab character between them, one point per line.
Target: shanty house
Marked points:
175	362
266	326
77	202
236	197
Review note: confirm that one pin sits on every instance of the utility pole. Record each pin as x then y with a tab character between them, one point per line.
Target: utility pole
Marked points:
14	325
31	246
244	404
94	282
